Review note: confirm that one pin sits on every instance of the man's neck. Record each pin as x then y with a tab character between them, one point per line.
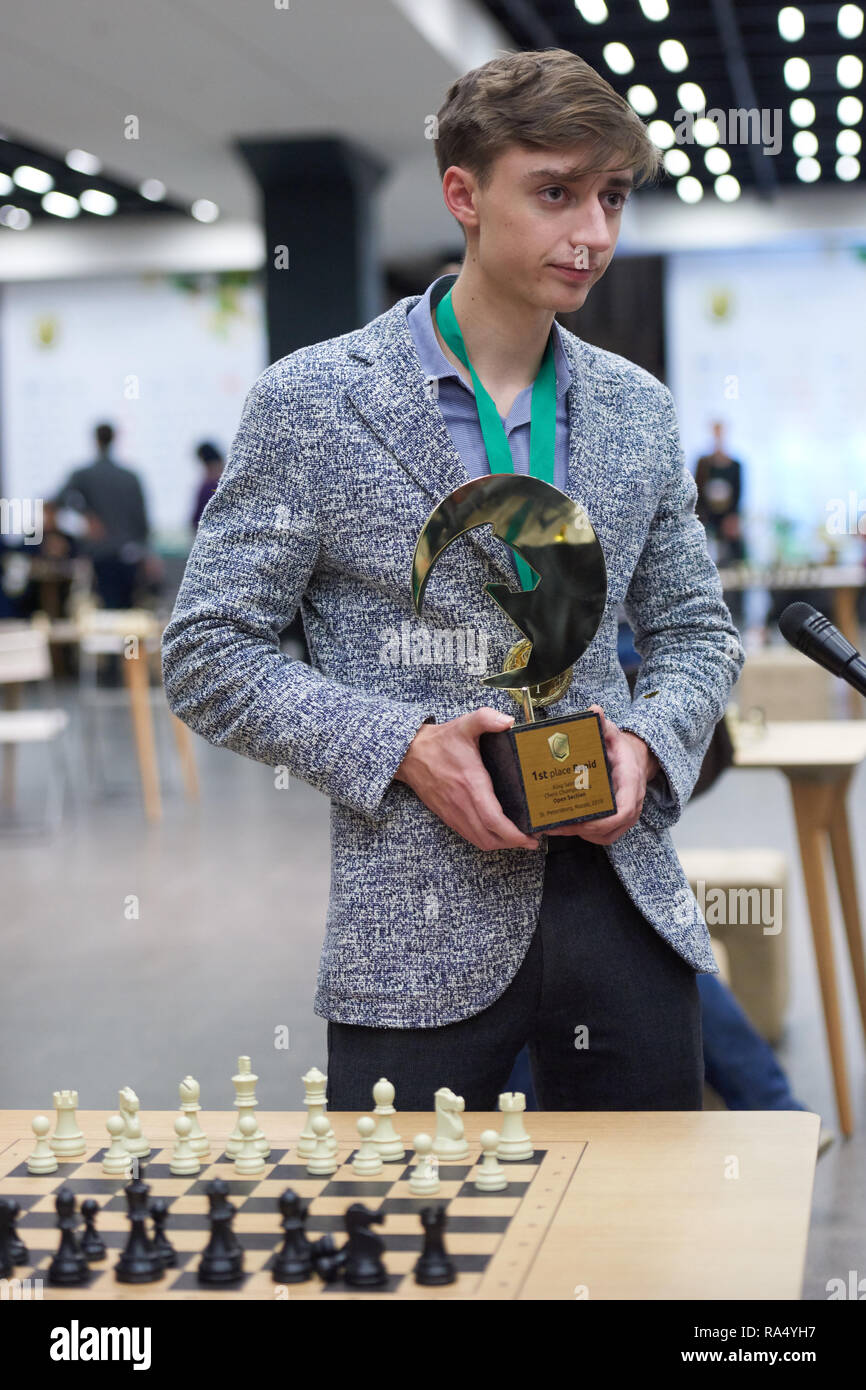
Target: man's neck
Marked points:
504	338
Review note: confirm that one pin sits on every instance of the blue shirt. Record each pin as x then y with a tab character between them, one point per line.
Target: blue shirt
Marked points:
456	397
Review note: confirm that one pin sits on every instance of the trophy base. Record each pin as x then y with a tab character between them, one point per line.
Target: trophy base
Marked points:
550	773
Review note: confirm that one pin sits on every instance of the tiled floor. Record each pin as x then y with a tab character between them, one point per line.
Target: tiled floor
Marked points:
135	954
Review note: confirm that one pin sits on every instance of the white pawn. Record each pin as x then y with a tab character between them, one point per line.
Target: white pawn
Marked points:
321	1162
189	1093
117	1160
491	1175
184	1162
248	1160
424	1177
386	1138
367	1160
42	1159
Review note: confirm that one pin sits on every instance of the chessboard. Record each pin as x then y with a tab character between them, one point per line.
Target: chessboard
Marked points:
492	1237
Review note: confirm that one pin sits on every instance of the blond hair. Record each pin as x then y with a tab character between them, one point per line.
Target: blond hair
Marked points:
545	99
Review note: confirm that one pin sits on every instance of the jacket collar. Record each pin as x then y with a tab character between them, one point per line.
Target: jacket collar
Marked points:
394	401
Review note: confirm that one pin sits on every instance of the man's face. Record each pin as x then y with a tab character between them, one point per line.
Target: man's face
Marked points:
539	212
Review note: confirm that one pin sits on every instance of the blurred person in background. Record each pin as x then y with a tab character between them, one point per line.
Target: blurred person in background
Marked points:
719	480
214	463
110	499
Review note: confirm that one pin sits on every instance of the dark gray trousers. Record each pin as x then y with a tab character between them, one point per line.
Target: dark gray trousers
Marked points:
610	1012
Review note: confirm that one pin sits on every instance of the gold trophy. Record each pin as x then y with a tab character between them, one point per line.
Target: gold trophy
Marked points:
545	772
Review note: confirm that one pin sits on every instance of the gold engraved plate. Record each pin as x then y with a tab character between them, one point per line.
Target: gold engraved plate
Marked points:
558	790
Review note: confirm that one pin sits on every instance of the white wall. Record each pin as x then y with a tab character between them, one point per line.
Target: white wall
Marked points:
785	367
167	367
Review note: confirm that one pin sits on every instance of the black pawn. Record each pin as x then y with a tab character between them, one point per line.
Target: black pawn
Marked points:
364	1268
139	1263
91	1241
293	1263
69	1266
161	1243
17	1248
328	1261
222	1261
434	1265
7	1218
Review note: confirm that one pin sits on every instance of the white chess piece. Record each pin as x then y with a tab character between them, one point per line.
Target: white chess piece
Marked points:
136	1144
385	1137
184	1162
424	1178
321	1162
249	1160
42	1159
67	1141
314	1084
189	1093
244	1083
491	1175
514	1144
117	1160
367	1160
450	1141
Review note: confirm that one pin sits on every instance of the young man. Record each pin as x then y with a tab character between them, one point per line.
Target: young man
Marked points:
452	939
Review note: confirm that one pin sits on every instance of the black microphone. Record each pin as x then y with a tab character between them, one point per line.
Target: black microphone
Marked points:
816	637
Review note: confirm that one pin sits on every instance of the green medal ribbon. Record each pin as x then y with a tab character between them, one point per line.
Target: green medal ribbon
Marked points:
542	420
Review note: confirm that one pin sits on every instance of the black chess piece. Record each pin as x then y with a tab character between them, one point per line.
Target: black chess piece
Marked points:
222	1261
68	1266
293	1263
7	1218
364	1267
328	1261
91	1241
161	1243
139	1263
434	1265
17	1248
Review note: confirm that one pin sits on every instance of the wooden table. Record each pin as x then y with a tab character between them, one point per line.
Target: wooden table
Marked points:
635	1205
818	757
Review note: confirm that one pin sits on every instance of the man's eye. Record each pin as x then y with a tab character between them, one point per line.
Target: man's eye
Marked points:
555	189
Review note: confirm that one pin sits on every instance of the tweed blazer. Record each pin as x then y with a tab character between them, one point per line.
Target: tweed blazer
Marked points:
341	454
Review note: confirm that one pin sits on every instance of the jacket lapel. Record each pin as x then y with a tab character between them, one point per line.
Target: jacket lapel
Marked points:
394	402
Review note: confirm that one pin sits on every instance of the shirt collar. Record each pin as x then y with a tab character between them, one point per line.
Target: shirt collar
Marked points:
436	364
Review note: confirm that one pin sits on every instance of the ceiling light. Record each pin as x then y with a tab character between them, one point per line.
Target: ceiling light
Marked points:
203	210
593	11
717	160
792	25
94	200
727	188
654	9
847	167
802	111
690	189
849	71
677	163
618	57
808	170
642	100
6	184
34	180
691	97
849	21
849	110
152	190
798	74
805	143
847	142
673	55
17	219
706	132
84	163
661	133
61	204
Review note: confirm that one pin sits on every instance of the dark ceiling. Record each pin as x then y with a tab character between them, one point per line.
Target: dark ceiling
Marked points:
736	54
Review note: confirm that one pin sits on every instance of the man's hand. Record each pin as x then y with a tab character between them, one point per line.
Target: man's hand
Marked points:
632	765
443	767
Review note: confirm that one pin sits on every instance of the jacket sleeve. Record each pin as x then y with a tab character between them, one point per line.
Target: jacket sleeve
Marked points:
691	653
225	676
